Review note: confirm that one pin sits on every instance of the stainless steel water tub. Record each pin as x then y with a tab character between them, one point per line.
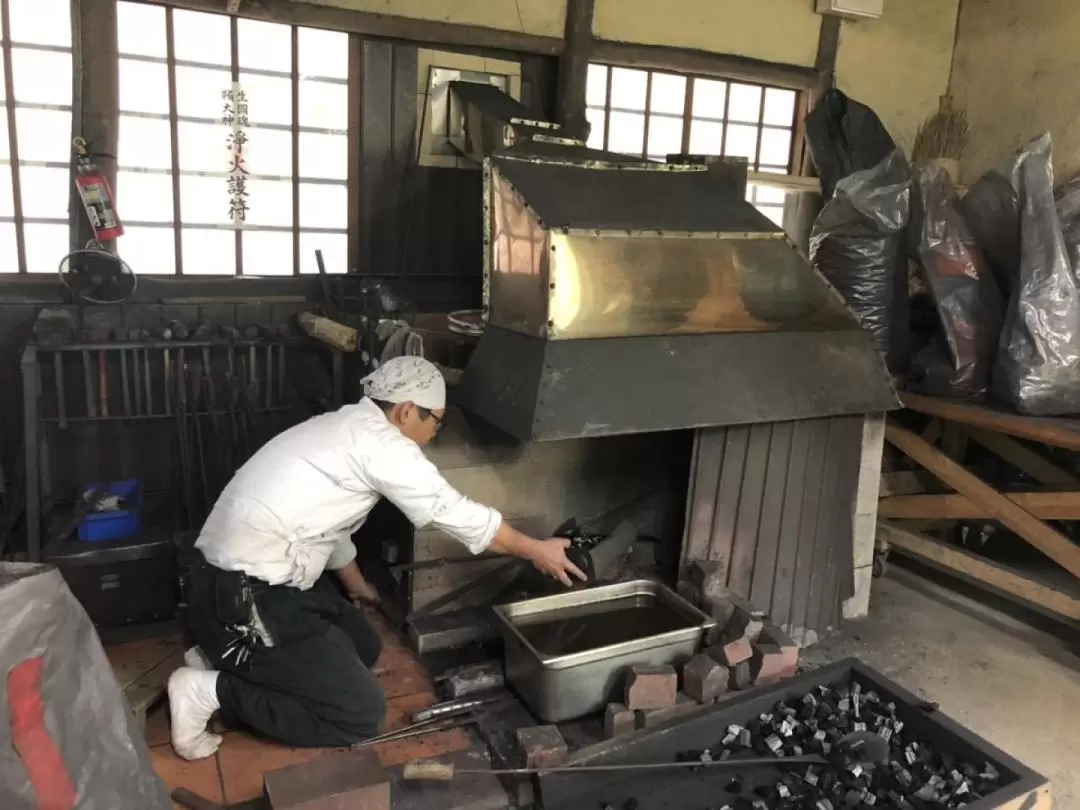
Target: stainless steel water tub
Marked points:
561	687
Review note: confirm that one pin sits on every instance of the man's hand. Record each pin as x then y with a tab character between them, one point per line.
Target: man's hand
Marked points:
357	589
549	557
362	593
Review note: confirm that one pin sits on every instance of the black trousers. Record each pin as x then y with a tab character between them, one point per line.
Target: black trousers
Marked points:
314	687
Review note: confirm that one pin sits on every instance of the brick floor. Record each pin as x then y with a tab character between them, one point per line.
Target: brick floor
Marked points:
235	773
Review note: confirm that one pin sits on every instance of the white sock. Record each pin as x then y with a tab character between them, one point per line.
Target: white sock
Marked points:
192	700
196	659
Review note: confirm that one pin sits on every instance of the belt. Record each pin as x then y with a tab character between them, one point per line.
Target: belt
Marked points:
255	585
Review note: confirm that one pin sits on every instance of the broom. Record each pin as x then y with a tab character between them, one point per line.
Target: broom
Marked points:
943	136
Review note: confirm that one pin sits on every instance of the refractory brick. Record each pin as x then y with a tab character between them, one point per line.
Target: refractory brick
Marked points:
618	720
731	653
541	746
704	679
651	718
651	687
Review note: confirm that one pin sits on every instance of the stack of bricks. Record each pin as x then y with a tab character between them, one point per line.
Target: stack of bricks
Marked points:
651	697
744	649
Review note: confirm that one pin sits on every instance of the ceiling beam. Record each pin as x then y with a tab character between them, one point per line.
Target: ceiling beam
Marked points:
386	26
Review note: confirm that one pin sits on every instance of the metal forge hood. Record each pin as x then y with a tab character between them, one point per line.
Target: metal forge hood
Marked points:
631	297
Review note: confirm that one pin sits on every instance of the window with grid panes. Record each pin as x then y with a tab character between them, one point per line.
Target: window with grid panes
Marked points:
35	135
173	156
653	114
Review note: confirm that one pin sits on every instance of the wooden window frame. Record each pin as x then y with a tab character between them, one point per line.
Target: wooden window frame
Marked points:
295	129
795	129
11	105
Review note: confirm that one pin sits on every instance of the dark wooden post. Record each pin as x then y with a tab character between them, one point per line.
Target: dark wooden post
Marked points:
96	110
574	67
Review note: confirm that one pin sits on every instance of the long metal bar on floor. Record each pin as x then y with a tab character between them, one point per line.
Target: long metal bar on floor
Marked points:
417	730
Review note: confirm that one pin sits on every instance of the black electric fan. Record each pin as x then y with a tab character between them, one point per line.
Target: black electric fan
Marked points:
97	276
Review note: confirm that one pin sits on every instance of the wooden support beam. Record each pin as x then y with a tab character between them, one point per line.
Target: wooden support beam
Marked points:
973	568
1024	458
739	68
574	67
97	96
932	432
828	50
1063	433
1050	542
952	506
386	26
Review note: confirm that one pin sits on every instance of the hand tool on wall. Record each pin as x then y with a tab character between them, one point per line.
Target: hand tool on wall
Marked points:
103	384
269	381
136	371
324	283
328	331
281	373
124	384
253	381
147	382
198	401
61	398
167	377
88	381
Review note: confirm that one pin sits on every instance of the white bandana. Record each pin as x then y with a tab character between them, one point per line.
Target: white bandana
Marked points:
407	379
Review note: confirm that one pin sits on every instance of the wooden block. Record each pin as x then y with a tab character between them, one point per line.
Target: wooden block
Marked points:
651	687
541	746
356	780
618	720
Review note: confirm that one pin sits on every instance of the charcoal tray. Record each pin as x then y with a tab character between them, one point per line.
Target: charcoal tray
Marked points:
1022	788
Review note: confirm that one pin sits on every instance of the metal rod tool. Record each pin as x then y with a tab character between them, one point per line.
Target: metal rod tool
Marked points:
88	382
61	404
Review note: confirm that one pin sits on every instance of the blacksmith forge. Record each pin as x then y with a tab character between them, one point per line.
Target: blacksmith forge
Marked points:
655	349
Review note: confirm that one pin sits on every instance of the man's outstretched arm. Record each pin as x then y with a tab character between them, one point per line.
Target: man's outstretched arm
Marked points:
549	556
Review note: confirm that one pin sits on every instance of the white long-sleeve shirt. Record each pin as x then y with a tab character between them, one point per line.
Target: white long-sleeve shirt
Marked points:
290	511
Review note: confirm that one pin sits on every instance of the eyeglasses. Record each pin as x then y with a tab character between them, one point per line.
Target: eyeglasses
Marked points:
431	415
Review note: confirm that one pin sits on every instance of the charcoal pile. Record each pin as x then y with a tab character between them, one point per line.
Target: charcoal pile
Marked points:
916	777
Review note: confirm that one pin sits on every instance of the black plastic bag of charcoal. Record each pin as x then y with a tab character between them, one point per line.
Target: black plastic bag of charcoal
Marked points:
957	360
843	137
1038	362
857	243
991	209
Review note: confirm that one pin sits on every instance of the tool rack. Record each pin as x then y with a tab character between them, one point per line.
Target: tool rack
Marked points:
203	387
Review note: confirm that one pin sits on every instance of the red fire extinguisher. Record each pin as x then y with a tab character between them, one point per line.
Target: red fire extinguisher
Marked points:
96	195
